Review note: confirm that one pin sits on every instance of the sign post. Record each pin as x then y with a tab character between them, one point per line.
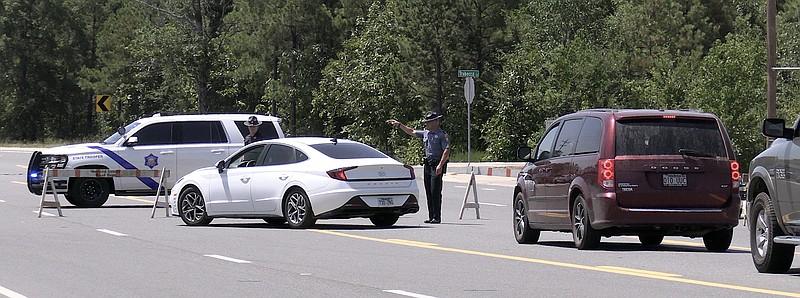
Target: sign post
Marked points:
469	95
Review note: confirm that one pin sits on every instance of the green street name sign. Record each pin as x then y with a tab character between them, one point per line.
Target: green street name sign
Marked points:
472	73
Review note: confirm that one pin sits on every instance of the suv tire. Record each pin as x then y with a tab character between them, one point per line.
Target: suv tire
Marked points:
522	229
768	256
718	241
583	234
87	192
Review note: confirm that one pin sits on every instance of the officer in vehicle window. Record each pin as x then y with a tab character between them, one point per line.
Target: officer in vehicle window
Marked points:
252	124
437	150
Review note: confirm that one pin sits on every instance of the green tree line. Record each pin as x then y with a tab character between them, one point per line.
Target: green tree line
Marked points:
342	67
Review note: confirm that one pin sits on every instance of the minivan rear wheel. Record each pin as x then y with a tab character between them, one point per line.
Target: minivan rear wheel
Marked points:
768	256
651	240
583	234
522	229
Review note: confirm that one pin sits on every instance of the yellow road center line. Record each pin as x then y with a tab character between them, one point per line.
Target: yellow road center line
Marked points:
645	272
688	243
21	166
631	272
18	182
403	241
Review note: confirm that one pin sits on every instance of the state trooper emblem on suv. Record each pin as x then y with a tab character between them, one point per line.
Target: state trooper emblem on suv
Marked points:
151	161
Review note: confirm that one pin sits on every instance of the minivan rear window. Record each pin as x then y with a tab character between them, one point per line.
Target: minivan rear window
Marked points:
662	136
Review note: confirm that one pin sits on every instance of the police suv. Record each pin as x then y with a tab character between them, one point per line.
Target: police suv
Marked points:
180	143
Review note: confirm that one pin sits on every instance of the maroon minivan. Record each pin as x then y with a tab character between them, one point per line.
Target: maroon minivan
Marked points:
650	173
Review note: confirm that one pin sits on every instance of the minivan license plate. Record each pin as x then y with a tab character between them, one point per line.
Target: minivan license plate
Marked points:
385	202
674	180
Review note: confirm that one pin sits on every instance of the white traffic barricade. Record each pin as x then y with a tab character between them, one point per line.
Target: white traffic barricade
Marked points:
49	174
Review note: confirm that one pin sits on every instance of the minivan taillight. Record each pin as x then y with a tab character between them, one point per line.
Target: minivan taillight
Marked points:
605	173
735	174
339	174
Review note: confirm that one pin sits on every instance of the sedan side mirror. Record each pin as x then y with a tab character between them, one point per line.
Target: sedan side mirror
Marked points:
221	166
132	141
776	128
524	153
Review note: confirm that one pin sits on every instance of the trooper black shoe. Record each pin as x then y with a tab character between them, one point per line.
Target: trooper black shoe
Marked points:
436	221
429	221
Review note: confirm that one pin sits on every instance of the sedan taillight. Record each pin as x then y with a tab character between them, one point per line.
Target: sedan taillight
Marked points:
411	170
339	174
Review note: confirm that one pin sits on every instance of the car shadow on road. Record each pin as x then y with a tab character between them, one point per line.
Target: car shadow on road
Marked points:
342	227
105	207
637	247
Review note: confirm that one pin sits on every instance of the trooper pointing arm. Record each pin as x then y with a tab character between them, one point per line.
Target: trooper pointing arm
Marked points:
406	129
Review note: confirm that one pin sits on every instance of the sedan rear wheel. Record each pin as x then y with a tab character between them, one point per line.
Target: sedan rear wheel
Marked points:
583	234
384	220
297	209
193	207
768	256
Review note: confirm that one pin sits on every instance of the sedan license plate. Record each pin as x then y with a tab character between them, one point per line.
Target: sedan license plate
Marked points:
674	180
385	201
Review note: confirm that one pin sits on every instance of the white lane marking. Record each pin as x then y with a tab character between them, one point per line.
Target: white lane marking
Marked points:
43	213
110	232
2	201
460	186
229	259
21	166
490	189
10	294
496	205
409	294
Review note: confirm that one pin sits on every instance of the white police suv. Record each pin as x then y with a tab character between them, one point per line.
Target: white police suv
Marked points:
179	143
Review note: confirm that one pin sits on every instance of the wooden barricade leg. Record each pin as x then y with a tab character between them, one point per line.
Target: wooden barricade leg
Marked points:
474	187
158	195
42	202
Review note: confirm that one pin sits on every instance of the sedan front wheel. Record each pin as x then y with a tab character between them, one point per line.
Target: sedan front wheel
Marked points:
193	207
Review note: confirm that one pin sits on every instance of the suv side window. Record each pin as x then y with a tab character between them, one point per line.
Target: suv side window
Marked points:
155	134
247	158
589	139
543	150
280	155
568	137
266	129
194	132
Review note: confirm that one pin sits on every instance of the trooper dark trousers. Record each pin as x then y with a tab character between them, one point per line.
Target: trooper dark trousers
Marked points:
433	190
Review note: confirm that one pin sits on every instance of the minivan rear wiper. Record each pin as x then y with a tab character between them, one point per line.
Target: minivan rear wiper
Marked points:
692	152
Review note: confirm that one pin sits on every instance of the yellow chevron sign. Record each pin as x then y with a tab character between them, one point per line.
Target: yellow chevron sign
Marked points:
102	103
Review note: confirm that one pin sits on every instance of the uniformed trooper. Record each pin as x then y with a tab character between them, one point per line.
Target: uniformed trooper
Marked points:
437	151
252	124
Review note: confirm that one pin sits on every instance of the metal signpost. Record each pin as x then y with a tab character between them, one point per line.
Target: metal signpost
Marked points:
469	95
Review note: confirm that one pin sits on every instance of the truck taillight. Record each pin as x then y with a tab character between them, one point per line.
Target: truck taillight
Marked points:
735	174
605	173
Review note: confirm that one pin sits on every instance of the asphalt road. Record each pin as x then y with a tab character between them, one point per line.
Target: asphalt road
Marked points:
119	251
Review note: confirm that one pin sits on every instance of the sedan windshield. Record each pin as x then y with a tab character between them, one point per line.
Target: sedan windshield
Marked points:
116	136
348	150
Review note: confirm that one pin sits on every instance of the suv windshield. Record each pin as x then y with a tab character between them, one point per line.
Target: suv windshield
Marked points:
659	136
348	150
116	136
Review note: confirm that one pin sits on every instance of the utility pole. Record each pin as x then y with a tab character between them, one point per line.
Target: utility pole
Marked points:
771	59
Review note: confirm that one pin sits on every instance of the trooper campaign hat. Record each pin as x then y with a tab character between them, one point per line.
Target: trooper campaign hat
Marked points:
252	121
430	116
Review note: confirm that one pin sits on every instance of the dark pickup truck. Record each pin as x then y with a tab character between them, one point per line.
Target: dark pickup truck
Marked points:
773	199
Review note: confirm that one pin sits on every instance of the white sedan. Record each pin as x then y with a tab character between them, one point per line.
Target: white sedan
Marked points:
299	180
